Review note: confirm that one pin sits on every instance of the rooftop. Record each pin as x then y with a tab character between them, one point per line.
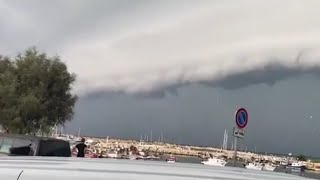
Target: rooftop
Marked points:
76	168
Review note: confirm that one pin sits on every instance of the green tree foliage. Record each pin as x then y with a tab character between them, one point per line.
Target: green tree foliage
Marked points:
302	157
35	93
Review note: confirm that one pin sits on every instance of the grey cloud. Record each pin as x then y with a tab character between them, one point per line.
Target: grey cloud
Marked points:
269	74
147	45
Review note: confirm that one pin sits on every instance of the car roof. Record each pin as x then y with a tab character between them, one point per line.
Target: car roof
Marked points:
51	168
29	137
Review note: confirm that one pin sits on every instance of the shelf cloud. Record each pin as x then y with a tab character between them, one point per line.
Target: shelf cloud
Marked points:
153	48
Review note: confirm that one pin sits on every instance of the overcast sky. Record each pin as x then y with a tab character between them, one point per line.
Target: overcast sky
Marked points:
182	67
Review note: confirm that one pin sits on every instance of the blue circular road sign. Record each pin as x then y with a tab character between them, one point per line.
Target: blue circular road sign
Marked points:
241	118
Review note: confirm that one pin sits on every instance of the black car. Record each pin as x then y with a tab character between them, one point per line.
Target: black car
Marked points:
23	145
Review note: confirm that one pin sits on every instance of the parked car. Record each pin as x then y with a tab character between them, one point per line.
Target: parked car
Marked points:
23	145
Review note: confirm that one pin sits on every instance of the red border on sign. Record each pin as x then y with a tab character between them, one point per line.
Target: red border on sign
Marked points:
237	112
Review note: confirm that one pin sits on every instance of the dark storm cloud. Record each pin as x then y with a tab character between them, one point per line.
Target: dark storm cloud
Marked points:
269	75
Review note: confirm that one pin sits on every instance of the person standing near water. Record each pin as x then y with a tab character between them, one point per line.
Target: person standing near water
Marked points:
81	147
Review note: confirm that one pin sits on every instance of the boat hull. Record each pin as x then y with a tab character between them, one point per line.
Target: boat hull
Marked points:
254	167
269	168
296	169
171	161
213	164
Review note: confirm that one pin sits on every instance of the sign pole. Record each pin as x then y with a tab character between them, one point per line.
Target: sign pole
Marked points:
241	120
235	151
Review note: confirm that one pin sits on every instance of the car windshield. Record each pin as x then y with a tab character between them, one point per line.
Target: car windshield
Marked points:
54	148
6	144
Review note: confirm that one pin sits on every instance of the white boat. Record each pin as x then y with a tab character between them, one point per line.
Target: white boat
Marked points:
152	157
284	162
269	167
296	164
133	157
171	159
136	157
296	167
112	154
214	162
254	166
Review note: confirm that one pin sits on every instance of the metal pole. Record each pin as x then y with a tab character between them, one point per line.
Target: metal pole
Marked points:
235	151
161	137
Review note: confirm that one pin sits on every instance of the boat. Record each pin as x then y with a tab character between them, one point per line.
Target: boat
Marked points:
171	159
152	157
269	167
296	167
254	166
91	155
133	157
214	162
112	154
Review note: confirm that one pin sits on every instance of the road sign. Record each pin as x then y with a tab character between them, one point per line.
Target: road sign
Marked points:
239	133
241	118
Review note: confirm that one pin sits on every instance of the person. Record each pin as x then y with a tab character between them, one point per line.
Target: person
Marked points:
100	155
81	147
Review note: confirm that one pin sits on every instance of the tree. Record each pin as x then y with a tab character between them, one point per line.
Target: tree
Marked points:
302	157
8	99
35	93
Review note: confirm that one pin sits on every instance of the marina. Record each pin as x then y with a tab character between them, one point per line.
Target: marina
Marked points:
207	156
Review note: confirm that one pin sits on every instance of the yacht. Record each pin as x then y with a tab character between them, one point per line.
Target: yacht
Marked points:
214	162
254	166
269	167
296	167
